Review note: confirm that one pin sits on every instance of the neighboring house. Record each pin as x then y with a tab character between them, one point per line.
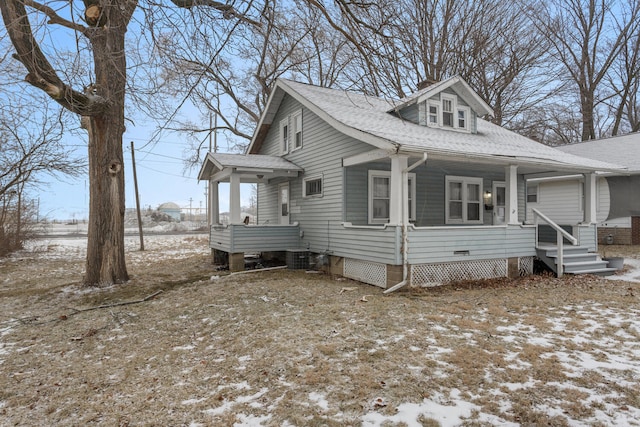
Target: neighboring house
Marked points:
419	191
618	195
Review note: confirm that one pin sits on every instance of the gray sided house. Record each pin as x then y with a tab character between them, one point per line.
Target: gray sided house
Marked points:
418	191
617	196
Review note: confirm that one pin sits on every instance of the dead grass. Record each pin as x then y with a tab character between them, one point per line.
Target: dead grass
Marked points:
288	347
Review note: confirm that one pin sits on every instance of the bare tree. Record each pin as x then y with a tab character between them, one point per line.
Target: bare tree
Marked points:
30	147
624	81
232	79
586	37
100	103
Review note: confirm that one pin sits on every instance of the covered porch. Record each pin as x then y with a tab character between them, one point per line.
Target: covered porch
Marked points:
236	237
442	218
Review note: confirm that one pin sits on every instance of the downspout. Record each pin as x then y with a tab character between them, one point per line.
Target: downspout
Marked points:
405	216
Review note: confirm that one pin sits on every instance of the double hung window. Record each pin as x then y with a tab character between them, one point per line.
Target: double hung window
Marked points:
380	196
463	200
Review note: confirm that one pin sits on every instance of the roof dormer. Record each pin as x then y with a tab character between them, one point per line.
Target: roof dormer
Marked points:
449	104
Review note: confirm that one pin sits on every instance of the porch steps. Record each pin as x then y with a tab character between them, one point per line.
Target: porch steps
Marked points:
576	260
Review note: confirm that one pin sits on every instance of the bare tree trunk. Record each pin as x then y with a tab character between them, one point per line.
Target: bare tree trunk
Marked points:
105	249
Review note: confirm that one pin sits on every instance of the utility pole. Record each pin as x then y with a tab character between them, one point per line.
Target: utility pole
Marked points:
135	184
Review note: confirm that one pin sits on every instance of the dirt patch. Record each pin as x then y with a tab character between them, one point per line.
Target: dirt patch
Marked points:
292	348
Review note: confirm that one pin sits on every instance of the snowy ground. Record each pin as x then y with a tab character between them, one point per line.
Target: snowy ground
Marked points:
287	348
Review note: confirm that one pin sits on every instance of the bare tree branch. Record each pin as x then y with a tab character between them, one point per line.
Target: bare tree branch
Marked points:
54	18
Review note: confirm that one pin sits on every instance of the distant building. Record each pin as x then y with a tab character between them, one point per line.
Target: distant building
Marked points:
171	209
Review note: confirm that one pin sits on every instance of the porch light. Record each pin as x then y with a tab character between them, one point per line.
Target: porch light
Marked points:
488	202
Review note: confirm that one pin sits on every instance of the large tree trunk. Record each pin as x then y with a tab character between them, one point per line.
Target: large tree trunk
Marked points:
105	248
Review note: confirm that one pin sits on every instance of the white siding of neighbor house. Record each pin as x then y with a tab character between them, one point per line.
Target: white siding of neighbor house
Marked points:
562	201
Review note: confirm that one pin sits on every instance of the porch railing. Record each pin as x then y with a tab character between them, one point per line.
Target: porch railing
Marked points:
235	238
560	236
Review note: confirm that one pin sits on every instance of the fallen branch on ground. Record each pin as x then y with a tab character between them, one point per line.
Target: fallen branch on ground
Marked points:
117	304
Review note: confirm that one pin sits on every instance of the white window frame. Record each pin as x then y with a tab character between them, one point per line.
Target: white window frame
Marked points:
537	194
285	134
387	174
438	121
465	181
312	178
467	115
296	128
453	99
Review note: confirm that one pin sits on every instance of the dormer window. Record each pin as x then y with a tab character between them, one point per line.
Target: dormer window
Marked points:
433	114
447	111
463	118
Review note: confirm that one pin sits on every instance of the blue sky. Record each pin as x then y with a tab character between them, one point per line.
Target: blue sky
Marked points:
161	178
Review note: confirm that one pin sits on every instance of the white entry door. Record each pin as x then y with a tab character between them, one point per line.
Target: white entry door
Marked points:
499	203
283	203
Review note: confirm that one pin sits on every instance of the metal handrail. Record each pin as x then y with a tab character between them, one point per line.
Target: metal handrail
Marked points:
560	235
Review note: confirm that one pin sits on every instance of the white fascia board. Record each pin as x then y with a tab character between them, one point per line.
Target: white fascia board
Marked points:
208	160
268	114
367	157
253	170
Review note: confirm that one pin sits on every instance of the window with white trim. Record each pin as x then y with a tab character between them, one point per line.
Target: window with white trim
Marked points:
463	118
463	200
296	119
312	186
433	114
284	135
447	113
380	196
448	103
532	193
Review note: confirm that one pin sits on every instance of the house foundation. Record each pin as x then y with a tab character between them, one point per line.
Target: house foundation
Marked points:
236	261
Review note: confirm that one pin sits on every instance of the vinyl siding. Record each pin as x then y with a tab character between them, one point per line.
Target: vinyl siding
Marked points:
242	238
321	155
587	236
439	244
430	190
562	201
345	199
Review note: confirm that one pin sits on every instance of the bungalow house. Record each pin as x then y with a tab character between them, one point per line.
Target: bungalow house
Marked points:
418	191
617	195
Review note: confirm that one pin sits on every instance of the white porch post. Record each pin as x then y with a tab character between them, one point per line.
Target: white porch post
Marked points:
397	190
214	206
511	184
590	189
234	199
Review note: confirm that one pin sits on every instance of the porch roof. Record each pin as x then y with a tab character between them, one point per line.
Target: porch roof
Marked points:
250	167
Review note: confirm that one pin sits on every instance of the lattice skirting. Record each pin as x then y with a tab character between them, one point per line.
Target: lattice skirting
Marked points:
365	271
525	266
437	274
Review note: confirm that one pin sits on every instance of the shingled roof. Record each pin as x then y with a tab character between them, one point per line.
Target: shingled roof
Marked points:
369	120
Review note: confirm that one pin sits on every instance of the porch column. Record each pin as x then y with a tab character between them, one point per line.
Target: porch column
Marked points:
234	199
511	184
397	203
590	188
214	205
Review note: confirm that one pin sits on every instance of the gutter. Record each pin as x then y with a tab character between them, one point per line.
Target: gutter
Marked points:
405	240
